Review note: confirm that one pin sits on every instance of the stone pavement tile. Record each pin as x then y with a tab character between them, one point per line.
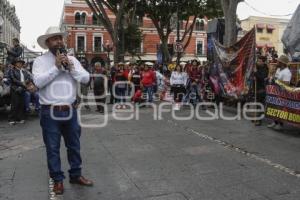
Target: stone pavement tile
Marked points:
129	147
149	168
156	187
269	187
206	192
239	191
189	187
103	189
172	196
291	196
29	179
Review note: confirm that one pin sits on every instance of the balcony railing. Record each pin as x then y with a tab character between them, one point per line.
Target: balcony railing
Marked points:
98	49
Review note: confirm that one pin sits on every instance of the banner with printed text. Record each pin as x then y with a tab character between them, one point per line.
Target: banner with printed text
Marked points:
283	103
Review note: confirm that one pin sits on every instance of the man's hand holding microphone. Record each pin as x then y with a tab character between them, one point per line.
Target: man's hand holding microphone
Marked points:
62	61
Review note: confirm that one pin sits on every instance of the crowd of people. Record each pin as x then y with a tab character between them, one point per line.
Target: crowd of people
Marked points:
145	82
133	82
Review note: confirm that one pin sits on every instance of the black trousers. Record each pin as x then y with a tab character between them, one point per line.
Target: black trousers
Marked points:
112	98
99	92
17	106
179	92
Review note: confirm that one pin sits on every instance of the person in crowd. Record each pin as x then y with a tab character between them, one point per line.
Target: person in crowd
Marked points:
261	72
18	78
120	87
5	85
13	52
159	83
178	83
148	81
31	94
284	75
99	86
193	83
84	88
56	75
111	80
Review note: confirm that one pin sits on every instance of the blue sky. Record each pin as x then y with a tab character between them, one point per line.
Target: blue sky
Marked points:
36	15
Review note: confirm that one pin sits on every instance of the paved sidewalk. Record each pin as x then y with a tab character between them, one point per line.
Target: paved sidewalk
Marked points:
160	160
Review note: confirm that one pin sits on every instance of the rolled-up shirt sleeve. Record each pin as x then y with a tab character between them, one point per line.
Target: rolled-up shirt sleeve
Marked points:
79	73
42	77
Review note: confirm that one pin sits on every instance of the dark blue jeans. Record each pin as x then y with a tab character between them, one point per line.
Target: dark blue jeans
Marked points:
121	93
149	91
70	130
28	96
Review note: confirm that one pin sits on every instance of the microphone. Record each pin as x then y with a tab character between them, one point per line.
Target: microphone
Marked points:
62	50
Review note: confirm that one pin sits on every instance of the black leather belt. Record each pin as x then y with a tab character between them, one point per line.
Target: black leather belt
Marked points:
59	107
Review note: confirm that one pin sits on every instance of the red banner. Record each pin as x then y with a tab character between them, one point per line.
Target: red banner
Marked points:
233	66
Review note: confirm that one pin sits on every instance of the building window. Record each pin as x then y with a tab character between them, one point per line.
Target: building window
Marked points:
77	18
96	21
80	18
200	25
259	30
270	28
199	47
97	44
80	43
83	18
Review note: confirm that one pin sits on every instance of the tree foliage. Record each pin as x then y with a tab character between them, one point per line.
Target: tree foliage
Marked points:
117	7
163	12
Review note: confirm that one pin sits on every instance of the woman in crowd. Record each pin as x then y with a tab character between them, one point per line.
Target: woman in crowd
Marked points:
178	83
120	87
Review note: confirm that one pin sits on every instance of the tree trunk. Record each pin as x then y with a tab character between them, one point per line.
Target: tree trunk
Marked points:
165	50
229	9
116	47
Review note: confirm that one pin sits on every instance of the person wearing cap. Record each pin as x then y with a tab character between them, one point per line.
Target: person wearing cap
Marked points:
283	72
18	78
284	75
56	75
148	80
13	52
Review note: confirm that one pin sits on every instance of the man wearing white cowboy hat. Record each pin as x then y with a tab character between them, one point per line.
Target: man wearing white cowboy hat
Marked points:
284	75
56	75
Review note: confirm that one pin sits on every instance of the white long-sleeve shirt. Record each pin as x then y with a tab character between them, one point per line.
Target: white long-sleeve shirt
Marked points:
57	87
177	78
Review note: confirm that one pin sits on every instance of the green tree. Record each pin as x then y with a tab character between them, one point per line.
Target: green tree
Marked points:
113	27
163	12
133	39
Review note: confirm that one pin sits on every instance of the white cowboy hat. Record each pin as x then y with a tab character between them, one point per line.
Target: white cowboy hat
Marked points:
182	63
51	31
149	63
